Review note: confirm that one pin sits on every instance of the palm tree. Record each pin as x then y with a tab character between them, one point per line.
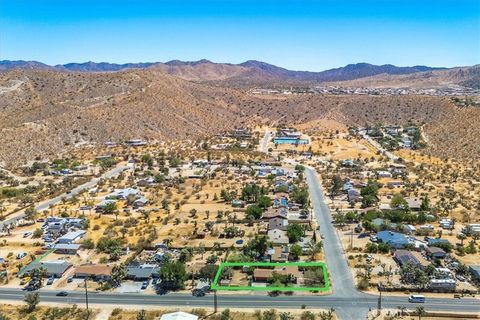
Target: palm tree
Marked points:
314	248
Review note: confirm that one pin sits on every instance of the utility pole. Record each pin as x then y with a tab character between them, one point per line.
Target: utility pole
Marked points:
86	298
380	300
215	302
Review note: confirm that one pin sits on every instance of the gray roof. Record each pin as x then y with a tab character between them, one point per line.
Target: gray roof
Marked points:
66	246
52	267
142	271
72	235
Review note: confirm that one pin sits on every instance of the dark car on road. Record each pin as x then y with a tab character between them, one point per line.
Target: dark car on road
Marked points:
62	294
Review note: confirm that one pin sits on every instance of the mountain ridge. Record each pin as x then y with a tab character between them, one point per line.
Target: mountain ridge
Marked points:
250	69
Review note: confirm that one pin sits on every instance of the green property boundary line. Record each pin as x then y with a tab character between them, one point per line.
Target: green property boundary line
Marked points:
223	265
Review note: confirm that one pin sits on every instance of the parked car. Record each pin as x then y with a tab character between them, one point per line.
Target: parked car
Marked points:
50	281
145	284
21	255
69	279
27	234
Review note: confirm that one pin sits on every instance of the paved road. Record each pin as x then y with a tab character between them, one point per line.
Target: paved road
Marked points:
348	302
377	145
87	185
264	143
242	301
341	277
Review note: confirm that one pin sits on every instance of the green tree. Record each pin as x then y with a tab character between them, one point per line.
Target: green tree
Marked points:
286	316
336	185
119	272
30	213
307	315
300	195
295	232
225	315
295	251
110	208
398	201
254	211
141	315
314	248
32	299
174	274
264	202
420	311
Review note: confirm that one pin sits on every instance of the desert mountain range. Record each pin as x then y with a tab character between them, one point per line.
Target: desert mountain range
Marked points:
45	111
256	72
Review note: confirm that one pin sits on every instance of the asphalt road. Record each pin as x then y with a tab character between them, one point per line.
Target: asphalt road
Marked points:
346	299
245	301
44	205
348	302
264	143
377	145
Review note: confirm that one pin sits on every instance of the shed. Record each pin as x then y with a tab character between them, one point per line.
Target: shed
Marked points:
435	252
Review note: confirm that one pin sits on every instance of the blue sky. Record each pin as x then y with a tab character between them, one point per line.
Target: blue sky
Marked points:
299	35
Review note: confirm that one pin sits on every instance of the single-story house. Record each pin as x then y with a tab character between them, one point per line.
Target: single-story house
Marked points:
279	254
414	204
122	193
403	257
71	237
54	268
432	242
102	204
66	248
442	284
262	275
140	202
277	236
141	272
395	239
278	223
179	315
435	252
97	272
275	213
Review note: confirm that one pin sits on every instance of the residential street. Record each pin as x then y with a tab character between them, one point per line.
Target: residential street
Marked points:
347	301
87	185
264	142
355	307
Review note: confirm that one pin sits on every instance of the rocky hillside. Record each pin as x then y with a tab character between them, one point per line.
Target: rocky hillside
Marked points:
251	71
465	76
44	113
